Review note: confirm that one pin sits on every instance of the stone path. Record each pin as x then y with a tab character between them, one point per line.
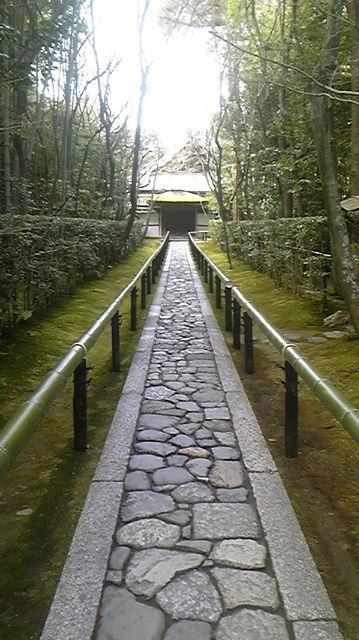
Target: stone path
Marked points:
187	532
190	560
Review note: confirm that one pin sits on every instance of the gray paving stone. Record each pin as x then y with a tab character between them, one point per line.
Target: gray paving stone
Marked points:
188	428
177	460
188	630
220	413
195	452
186	531
145	462
152	435
158	448
137	481
150	570
226	439
210	395
191	596
203	546
232	495
114	577
119	558
221	426
144	534
243	554
208	442
153	406
154	421
252	625
123	618
246	588
203	433
198	466
193	492
141	504
172	475
227	474
180	517
171	431
219	521
182	441
316	630
158	392
225	453
195	416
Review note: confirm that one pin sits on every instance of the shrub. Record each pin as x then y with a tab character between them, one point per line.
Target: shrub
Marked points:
42	258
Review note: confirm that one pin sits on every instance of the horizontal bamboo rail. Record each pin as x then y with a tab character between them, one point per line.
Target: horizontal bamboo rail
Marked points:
19	428
343	410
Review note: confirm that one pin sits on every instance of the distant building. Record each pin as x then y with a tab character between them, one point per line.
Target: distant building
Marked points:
178	203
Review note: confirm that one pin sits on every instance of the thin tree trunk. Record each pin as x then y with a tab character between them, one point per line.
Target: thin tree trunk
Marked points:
353	13
343	263
6	137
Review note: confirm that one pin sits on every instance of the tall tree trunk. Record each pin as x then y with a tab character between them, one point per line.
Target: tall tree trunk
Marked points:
5	103
353	13
343	263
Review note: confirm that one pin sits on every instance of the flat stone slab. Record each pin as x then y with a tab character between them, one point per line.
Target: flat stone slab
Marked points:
198	466
202	546
217	413
246	588
225	453
243	554
252	625
232	495
155	406
316	630
188	630
183	441
180	517
119	557
195	452
208	395
154	421
193	492
152	435
191	596
150	570
145	462
159	392
137	481
123	618
219	521
227	474
157	448
144	534
141	504
172	475
227	439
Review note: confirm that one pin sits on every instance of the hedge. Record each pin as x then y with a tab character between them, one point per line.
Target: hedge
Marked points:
42	258
290	250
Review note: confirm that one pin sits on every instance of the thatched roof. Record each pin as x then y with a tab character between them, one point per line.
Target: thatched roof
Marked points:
178	197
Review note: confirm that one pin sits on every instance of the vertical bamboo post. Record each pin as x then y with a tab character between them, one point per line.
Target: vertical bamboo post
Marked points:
248	343
79	405
291	411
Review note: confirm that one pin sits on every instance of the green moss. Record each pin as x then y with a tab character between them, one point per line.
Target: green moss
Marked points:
49	478
323	481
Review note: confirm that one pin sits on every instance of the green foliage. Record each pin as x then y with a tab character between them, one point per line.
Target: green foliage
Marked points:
42	258
291	251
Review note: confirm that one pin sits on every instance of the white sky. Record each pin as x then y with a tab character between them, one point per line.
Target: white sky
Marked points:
183	84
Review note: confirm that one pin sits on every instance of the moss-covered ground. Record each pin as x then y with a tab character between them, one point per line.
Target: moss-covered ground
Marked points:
42	495
323	481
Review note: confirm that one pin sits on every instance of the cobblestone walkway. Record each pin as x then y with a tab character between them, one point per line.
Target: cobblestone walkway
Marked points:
190	560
